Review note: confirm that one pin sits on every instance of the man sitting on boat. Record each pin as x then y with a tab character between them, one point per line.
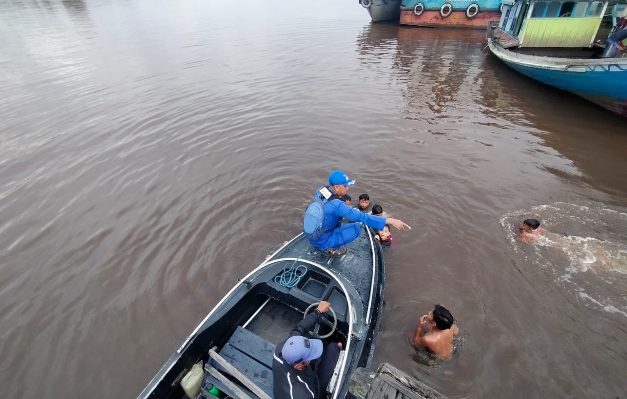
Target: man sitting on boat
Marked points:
294	374
324	227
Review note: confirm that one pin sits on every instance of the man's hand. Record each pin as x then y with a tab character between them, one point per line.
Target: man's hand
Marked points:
398	224
323	306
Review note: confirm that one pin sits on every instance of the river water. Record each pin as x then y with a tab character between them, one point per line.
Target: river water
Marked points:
153	151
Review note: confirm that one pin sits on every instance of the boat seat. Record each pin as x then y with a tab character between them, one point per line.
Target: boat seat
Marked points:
251	355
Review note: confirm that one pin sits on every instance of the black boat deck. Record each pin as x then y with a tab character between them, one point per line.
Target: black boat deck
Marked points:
355	265
274	322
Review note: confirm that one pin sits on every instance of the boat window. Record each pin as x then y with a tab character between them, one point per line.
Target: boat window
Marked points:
506	19
553	9
566	9
539	9
579	10
596	7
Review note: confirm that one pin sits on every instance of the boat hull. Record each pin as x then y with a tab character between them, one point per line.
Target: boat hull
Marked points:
457	19
473	14
601	81
384	10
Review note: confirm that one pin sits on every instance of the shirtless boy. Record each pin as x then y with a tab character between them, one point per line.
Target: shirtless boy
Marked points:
529	230
436	331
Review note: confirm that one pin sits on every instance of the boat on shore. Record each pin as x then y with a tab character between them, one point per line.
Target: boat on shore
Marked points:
236	340
554	43
474	14
382	10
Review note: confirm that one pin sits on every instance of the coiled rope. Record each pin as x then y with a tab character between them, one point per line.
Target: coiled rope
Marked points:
291	275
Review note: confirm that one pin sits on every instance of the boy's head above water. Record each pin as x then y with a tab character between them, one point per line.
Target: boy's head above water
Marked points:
364	201
377	209
529	225
442	317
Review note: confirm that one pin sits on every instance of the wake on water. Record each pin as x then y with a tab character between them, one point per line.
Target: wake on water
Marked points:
584	246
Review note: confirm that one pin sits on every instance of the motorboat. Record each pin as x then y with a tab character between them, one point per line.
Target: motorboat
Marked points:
235	342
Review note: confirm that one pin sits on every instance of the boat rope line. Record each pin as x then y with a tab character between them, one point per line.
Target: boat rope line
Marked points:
291	275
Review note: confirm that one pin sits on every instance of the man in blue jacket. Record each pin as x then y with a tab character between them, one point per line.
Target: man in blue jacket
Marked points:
335	234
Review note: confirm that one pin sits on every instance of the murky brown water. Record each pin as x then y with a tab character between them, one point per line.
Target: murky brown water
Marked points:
152	152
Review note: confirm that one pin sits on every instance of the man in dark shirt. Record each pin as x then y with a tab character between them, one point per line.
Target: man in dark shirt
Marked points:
301	368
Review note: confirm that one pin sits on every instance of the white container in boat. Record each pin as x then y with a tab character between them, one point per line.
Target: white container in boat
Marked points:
192	381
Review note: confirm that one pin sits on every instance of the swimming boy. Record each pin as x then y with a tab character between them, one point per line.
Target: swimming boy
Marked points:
436	331
347	199
529	230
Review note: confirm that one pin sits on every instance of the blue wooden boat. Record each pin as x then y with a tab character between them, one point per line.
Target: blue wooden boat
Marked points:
382	10
473	14
553	42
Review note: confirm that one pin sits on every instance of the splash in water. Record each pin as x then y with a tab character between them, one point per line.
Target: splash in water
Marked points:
585	246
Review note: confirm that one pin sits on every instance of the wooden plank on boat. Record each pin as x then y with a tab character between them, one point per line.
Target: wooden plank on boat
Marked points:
389	383
503	38
228	384
253	345
237	374
258	373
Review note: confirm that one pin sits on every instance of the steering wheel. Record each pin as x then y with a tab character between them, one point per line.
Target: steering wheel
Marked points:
322	320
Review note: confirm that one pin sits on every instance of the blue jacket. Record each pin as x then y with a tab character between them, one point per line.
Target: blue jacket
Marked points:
334	211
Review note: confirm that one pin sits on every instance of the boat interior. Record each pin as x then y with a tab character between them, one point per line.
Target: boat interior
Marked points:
263	320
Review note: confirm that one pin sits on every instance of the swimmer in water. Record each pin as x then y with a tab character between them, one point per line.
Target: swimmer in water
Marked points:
529	230
436	331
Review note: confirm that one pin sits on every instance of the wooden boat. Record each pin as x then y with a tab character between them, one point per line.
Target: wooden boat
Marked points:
473	14
382	10
242	330
553	42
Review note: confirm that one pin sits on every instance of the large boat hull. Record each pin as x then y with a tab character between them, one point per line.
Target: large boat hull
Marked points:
457	19
473	14
384	10
601	81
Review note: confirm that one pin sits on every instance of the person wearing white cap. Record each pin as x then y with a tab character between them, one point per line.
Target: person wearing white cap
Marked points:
323	225
297	373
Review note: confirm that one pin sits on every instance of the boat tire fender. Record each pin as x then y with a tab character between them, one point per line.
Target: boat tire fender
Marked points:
419	9
365	3
472	10
446	10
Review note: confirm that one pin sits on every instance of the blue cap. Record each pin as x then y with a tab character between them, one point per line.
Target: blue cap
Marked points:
338	177
300	349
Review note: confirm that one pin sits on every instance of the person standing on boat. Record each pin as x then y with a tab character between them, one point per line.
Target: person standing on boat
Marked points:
335	235
302	367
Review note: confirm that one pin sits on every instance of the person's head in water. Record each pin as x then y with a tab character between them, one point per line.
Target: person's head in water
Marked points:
347	199
529	225
442	318
377	210
364	201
